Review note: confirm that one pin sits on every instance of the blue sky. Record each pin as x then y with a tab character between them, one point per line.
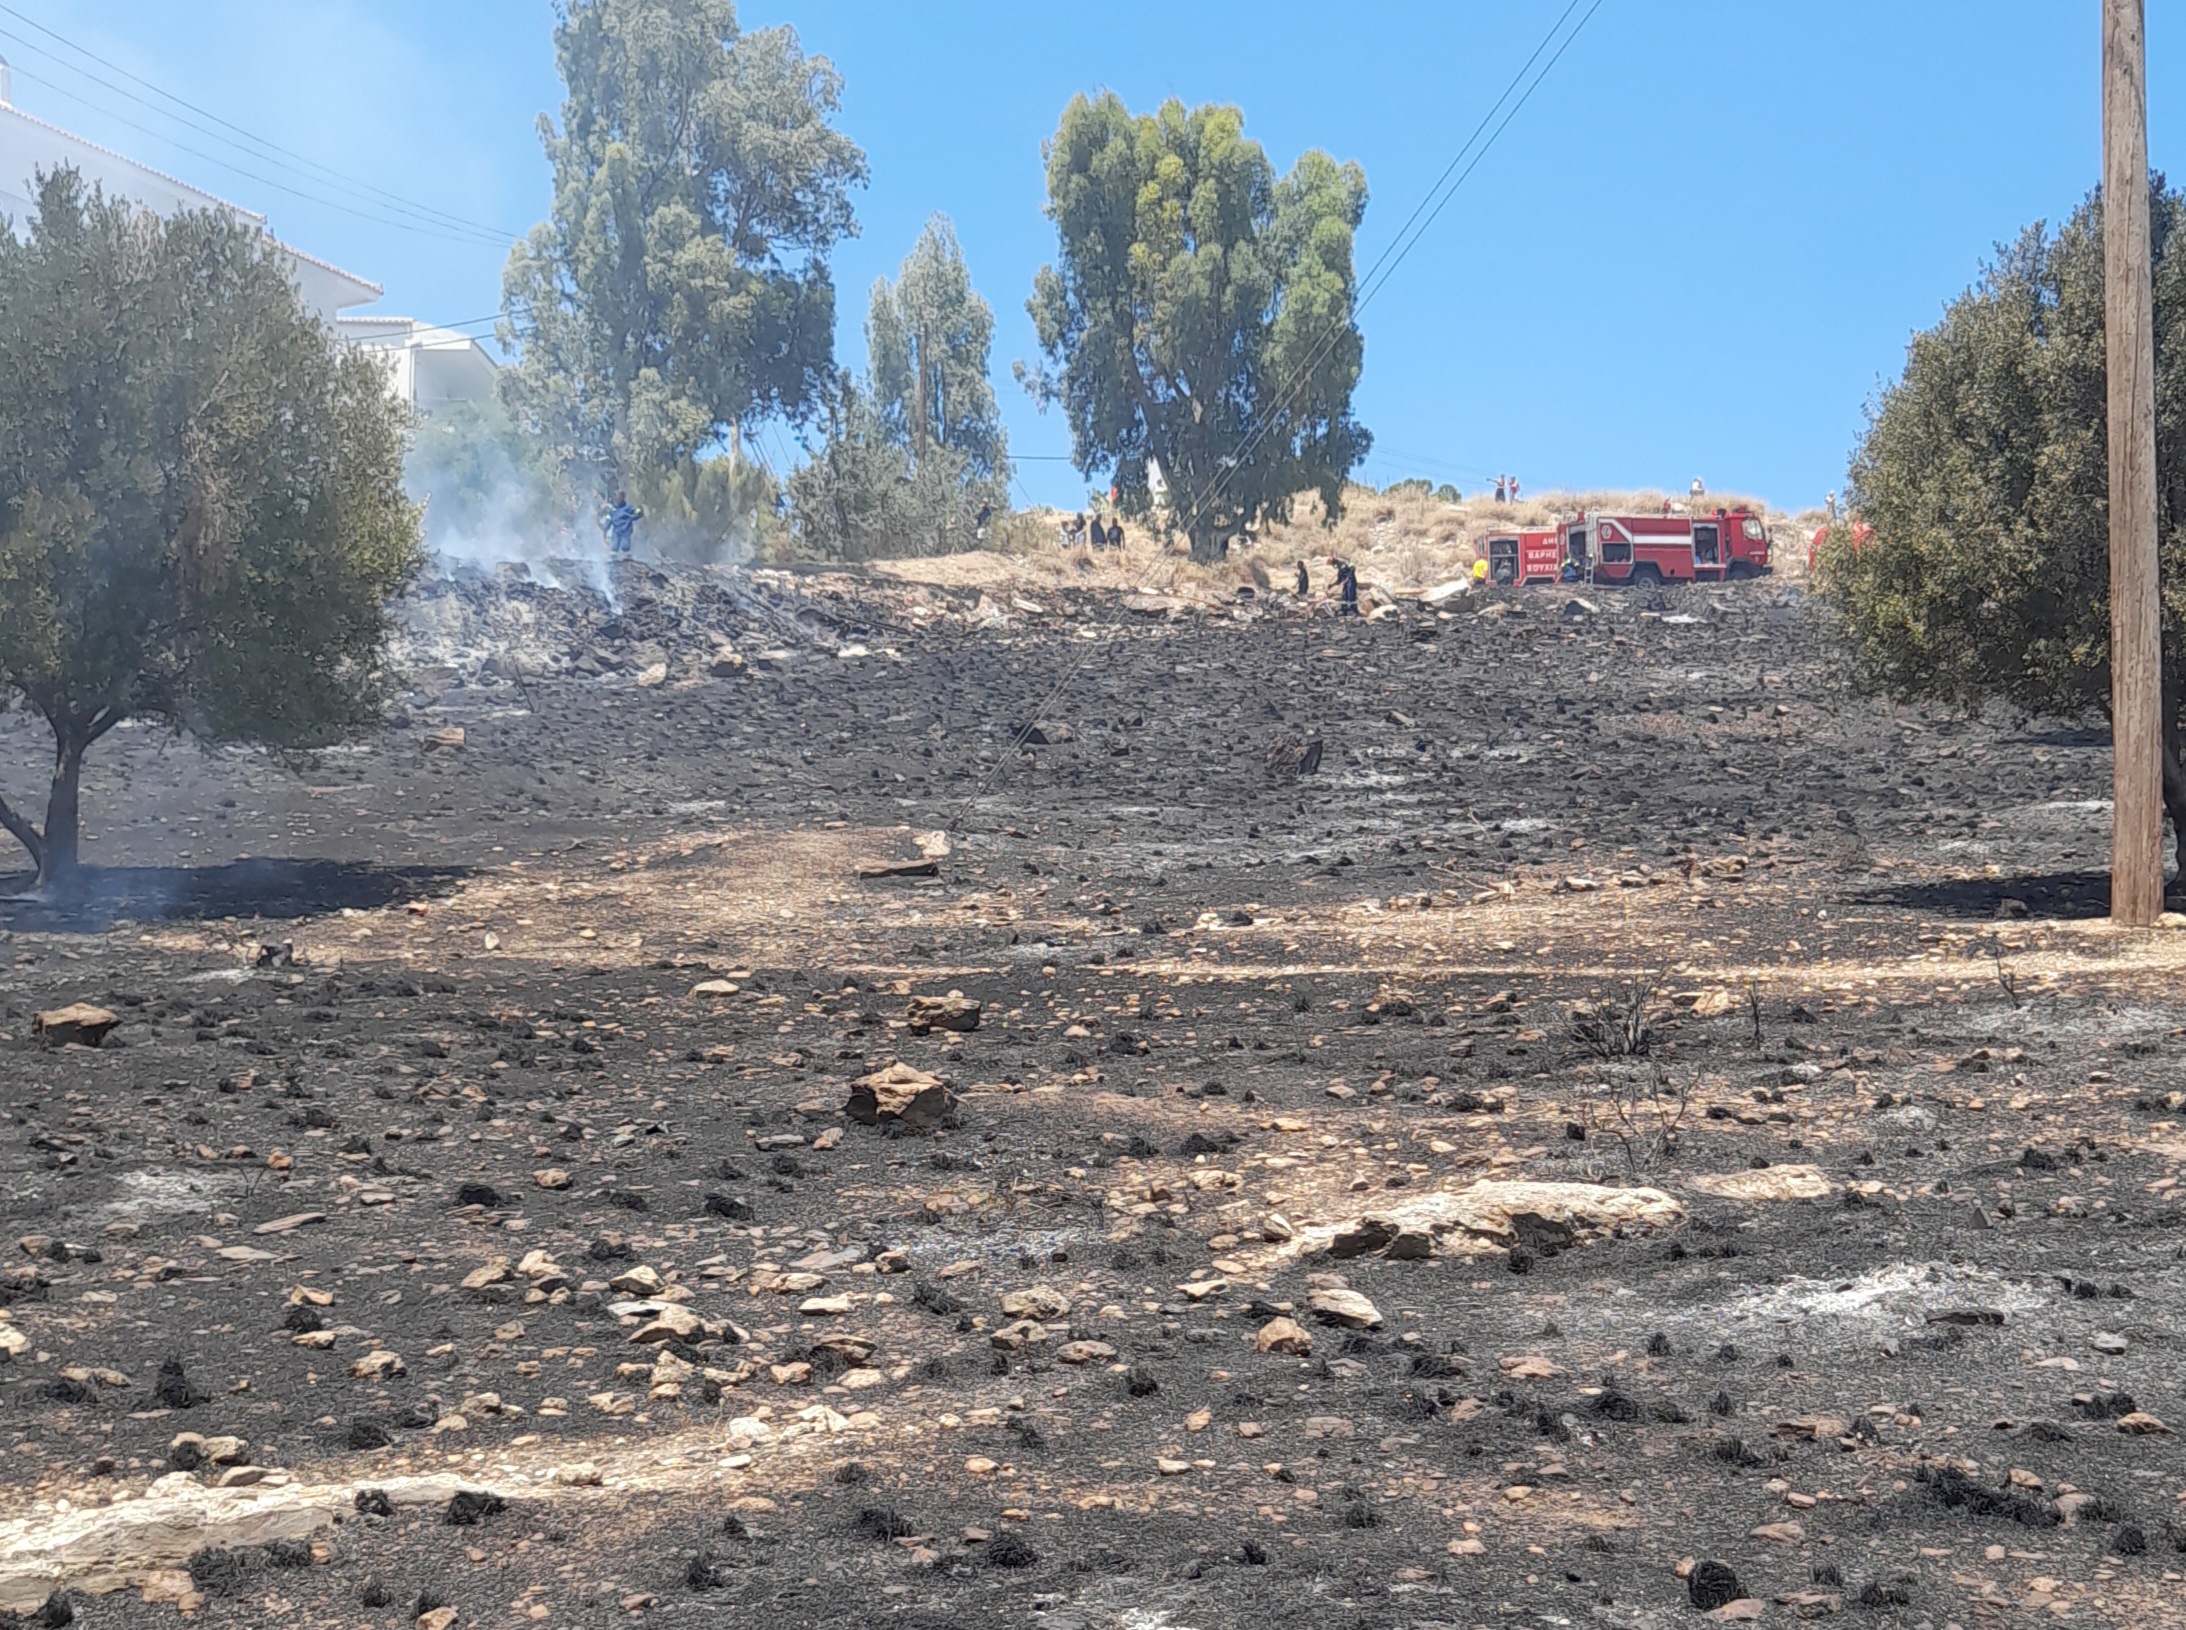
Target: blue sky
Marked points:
1696	252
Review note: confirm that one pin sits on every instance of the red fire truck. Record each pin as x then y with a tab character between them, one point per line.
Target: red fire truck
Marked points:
1729	544
1862	536
1516	558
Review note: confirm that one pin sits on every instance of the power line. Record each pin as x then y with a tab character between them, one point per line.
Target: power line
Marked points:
271	147
280	157
1400	248
394	222
1469	140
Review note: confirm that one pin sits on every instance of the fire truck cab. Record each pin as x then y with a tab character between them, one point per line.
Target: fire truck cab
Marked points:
1724	546
1517	558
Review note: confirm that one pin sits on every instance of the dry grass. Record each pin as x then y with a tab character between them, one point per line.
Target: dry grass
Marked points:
1411	539
1404	540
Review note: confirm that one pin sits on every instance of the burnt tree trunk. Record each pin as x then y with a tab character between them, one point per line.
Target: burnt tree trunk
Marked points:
24	833
60	845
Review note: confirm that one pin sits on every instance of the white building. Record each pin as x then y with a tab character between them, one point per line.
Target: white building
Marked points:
427	367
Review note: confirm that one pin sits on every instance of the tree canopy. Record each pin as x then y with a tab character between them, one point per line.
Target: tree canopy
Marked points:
916	453
928	335
1978	569
680	287
201	511
1199	319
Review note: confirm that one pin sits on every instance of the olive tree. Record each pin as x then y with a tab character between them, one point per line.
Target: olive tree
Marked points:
202	519
1978	569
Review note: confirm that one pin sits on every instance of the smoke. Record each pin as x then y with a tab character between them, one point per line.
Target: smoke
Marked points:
495	500
498	529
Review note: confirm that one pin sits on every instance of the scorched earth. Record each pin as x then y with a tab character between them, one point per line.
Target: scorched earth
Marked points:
1542	1111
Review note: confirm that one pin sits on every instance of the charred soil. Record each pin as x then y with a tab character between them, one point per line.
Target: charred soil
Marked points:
1551	1111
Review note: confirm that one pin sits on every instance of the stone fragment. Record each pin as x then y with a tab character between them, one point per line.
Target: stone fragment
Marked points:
910	1098
1085	1352
1529	1367
1281	1335
670	1321
1344	1307
1812	1428
79	1024
226	1451
379	1365
1773	1183
1020	1333
171	1586
1492	1215
1036	1302
1383	1236
955	1012
1812	1604
289	1224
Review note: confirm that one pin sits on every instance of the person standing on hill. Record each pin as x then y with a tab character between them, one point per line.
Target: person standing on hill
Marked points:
1305	580
1502	490
621	524
1347	585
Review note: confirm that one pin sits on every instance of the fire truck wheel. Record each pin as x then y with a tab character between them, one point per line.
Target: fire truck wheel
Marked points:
1647	574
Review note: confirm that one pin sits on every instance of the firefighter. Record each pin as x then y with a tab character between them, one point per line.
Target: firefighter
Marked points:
1480	570
620	524
1305	580
1502	490
1347	585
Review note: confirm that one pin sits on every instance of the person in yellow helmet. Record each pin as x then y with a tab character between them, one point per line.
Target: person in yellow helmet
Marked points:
1480	570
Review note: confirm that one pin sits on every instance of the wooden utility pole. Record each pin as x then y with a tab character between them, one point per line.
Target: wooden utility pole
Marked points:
2136	650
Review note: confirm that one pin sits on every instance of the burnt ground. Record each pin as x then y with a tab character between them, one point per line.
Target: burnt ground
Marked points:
1224	1002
